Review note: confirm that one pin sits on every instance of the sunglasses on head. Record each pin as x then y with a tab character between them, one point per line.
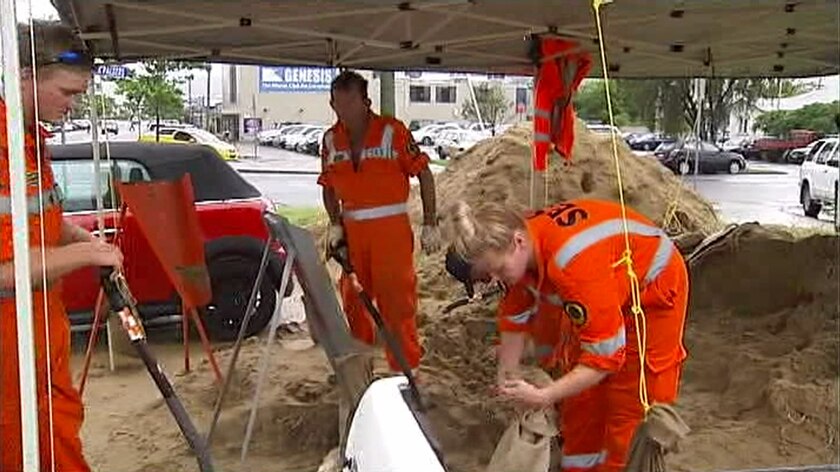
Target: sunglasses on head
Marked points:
70	58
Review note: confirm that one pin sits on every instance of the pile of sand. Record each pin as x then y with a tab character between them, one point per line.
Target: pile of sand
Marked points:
498	170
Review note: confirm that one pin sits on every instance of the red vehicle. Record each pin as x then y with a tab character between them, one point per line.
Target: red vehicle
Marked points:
774	149
230	214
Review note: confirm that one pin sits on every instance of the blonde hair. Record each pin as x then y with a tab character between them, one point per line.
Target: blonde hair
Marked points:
476	231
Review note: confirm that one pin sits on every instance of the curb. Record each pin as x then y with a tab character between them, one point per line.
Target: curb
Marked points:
247	170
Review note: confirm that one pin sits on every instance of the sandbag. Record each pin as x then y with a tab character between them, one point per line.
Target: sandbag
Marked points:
525	445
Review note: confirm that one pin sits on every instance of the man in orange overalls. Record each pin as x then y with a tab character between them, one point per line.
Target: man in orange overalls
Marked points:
367	160
569	256
63	71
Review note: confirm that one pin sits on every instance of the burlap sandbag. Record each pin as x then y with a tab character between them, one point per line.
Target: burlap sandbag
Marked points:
526	444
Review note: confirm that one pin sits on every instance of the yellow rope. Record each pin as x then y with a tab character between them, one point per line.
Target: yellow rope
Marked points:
627	257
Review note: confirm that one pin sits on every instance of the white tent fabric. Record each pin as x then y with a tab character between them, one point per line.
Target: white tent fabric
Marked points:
645	38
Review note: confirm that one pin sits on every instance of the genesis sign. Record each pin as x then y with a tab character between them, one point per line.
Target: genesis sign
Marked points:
296	79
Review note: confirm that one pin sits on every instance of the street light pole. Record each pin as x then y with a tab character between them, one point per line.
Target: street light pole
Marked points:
189	97
207	67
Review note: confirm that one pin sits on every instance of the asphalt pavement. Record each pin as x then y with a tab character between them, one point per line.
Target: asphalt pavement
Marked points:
768	194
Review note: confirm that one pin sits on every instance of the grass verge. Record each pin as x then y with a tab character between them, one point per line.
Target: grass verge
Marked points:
303	216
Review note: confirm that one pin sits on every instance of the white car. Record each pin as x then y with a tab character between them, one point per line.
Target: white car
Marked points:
285	133
427	135
453	142
267	136
818	177
297	137
598	128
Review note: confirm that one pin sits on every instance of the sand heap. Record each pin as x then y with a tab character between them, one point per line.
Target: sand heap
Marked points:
498	169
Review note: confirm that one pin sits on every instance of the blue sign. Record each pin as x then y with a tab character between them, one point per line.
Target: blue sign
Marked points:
113	71
296	79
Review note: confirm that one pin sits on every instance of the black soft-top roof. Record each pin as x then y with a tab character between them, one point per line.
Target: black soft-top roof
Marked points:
212	178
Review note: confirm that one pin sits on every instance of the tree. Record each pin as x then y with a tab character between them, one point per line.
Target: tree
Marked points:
590	103
492	104
673	105
817	117
153	92
107	107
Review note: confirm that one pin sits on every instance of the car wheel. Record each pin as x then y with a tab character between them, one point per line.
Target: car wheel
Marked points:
684	168
232	279
426	141
734	167
811	207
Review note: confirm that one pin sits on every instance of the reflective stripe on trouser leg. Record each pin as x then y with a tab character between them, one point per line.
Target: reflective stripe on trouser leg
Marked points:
583	420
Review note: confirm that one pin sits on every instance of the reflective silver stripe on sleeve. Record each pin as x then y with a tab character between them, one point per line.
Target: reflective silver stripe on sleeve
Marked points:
607	347
7	293
583	461
330	146
591	236
387	142
523	317
554	299
660	259
33	203
542	114
542	137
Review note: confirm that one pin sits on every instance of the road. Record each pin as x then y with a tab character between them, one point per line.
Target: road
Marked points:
769	194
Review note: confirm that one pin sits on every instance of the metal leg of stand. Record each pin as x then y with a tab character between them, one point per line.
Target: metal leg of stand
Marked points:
249	312
274	325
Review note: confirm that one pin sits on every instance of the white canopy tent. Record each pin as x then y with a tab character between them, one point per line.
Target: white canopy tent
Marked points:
674	38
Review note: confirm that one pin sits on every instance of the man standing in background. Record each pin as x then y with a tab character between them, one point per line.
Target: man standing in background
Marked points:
367	160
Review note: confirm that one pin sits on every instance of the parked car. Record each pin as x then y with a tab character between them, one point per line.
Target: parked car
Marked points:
296	141
285	133
267	136
313	142
774	149
110	126
818	177
450	143
601	128
683	157
647	142
225	150
428	134
230	215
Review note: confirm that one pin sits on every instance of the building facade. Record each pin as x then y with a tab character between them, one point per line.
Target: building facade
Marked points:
266	97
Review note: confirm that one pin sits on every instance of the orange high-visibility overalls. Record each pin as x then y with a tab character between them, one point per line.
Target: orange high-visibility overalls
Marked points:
67	411
577	245
373	196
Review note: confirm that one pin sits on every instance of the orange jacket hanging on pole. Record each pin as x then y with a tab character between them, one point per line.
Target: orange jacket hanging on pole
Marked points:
561	70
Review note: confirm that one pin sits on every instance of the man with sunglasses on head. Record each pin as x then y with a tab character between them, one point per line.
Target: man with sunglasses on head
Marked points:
60	71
